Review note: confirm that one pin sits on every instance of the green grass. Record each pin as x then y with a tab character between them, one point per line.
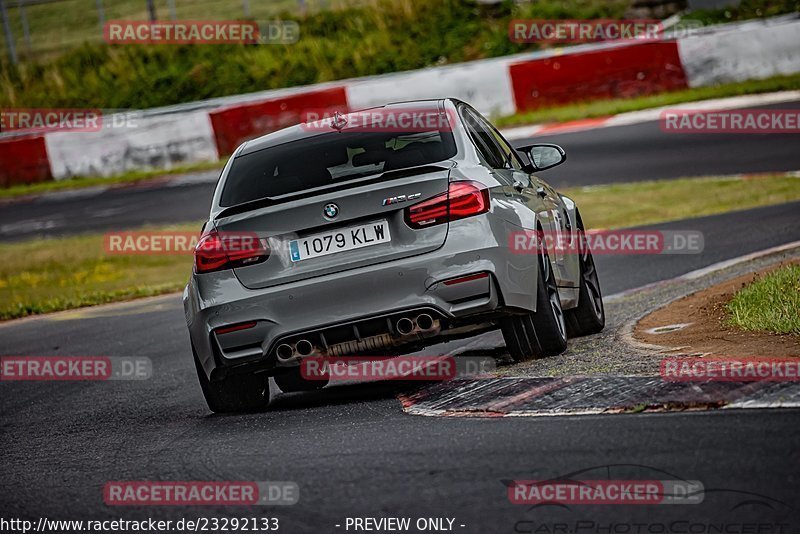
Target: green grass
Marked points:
640	203
770	304
381	36
70	65
78	182
56	27
605	108
46	275
747	9
59	26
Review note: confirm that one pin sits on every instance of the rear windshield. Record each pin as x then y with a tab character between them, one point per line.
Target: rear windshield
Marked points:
330	158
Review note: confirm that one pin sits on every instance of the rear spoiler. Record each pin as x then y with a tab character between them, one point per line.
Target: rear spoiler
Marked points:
376	178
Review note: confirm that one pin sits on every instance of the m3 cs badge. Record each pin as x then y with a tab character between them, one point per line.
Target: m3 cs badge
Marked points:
401	198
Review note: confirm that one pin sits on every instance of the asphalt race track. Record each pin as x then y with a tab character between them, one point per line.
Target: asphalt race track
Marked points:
350	448
644	152
617	154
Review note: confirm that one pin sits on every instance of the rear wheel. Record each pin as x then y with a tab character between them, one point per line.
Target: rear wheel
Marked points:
544	332
235	393
589	317
292	380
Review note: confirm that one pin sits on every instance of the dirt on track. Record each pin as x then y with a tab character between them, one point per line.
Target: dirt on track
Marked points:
705	332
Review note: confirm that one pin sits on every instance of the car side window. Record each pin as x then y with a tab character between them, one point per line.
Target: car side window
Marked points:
484	140
510	154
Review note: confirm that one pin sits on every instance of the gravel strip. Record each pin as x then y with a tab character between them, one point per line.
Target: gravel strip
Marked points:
614	351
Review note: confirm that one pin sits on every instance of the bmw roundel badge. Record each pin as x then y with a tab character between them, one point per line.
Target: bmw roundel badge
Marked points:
331	210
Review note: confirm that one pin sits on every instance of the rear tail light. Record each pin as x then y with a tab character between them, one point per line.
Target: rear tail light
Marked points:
468	278
462	199
235	327
217	251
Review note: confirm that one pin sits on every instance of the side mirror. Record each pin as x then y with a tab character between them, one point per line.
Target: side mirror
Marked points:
544	156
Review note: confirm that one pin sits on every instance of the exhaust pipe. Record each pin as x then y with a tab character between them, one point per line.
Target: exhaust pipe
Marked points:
404	326
284	352
424	321
304	347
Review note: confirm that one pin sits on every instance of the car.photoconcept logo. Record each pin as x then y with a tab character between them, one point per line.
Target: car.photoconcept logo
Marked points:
330	211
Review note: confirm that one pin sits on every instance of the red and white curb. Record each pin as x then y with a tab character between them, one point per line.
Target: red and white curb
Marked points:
594	395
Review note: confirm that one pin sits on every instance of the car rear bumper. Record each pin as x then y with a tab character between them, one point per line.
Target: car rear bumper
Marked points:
475	245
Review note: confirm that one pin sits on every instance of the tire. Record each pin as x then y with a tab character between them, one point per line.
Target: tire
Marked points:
589	317
544	332
292	380
236	393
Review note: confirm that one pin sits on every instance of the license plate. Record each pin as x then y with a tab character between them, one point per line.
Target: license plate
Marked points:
351	238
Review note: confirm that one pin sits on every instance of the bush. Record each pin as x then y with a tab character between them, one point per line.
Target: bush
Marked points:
377	37
380	37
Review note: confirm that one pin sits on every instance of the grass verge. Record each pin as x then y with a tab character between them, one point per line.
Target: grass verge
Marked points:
46	275
640	203
79	182
604	108
770	304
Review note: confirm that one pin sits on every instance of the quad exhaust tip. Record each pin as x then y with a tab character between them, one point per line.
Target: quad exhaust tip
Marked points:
304	347
424	321
405	326
284	352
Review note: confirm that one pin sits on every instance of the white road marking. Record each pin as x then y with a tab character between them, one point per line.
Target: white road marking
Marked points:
32	225
653	114
698	273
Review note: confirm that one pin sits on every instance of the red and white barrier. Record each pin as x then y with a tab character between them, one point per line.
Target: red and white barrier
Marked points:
485	84
618	72
146	142
235	124
23	160
206	131
744	51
